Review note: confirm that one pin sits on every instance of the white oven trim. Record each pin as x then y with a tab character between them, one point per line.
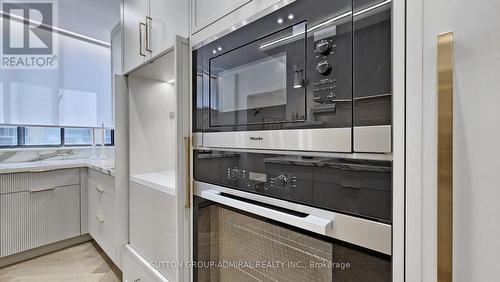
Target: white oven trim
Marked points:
316	139
365	233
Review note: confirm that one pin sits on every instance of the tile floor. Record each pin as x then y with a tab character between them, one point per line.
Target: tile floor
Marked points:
81	263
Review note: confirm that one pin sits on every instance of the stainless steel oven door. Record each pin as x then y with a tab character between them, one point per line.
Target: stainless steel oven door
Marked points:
240	239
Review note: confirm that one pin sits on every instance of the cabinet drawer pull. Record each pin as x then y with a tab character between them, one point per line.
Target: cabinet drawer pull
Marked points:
42	190
99	190
137	280
141	52
99	219
41	170
149	22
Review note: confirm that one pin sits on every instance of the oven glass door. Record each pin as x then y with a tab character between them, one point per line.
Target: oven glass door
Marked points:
233	245
261	82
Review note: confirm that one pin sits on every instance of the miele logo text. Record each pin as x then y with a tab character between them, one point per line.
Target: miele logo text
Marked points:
256	138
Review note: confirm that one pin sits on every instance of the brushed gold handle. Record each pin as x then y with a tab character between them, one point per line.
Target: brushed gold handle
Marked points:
187	194
141	52
99	219
42	190
99	190
445	158
41	170
149	22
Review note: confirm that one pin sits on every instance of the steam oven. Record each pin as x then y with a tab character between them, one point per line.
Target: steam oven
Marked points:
312	76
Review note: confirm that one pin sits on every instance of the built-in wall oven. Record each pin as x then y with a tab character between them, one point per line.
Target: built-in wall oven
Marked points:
313	76
292	146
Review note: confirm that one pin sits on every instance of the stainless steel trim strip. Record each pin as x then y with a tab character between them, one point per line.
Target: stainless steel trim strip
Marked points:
318	139
373	139
365	233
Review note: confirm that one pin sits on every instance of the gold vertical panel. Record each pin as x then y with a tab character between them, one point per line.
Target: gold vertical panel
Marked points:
445	158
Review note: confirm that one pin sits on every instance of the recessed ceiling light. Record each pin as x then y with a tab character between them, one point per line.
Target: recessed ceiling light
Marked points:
214	51
219	48
290	17
280	20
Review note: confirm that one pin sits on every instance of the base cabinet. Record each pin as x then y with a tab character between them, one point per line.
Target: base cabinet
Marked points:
101	211
32	217
153	227
136	268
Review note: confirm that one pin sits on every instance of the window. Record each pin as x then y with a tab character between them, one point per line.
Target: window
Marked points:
42	136
8	136
30	136
109	137
77	136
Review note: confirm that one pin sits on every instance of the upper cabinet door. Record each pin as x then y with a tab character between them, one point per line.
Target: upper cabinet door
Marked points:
205	12
134	33
168	18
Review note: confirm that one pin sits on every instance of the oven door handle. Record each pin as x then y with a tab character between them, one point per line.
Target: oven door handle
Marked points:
310	222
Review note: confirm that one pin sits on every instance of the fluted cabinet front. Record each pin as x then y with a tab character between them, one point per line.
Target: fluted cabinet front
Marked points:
30	218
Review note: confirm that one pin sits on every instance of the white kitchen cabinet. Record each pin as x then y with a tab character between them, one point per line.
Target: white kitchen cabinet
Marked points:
136	268
101	211
150	28
156	212
211	17
205	12
159	97
168	19
37	217
134	29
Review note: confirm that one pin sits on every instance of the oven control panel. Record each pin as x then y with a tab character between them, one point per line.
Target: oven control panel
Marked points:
323	79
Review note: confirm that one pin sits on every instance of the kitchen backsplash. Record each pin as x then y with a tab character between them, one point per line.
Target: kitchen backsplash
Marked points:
46	154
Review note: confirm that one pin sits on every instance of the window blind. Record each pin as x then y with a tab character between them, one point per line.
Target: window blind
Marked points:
77	94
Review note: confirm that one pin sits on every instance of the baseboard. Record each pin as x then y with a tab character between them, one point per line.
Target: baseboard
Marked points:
43	250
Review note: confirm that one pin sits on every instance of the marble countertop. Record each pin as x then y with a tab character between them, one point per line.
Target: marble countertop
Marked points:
106	166
161	181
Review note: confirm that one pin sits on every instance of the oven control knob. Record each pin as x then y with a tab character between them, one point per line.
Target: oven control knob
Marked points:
282	180
324	68
323	47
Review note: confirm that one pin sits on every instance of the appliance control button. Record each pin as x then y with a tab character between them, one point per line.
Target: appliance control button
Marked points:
324	68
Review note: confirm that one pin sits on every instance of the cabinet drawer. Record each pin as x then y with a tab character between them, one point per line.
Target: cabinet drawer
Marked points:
152	204
33	219
136	268
101	182
153	242
26	181
101	220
